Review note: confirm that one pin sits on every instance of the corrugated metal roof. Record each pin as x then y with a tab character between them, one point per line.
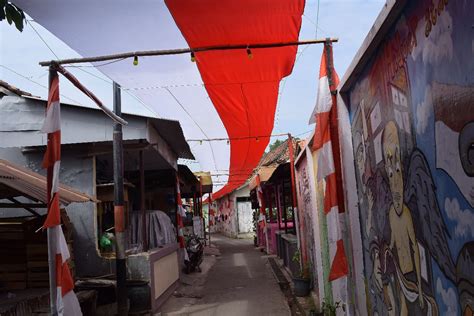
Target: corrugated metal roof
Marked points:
265	173
13	89
172	133
206	181
94	128
272	160
18	181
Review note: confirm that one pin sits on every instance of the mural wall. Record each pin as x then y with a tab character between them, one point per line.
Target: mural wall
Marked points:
306	211
412	117
226	219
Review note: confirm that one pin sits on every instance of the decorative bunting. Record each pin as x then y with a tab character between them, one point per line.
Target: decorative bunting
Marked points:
179	218
326	141
66	300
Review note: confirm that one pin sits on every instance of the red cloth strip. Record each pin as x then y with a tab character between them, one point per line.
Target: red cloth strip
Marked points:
243	90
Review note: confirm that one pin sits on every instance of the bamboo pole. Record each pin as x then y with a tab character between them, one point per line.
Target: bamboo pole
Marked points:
57	67
182	51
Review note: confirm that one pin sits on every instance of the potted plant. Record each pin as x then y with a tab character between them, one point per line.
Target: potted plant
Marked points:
302	281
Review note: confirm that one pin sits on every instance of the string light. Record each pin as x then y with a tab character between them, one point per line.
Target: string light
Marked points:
135	60
193	58
228	142
249	53
200	142
256	139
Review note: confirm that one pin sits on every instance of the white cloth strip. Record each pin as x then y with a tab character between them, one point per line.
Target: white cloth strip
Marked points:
52	122
325	161
71	304
55	185
324	100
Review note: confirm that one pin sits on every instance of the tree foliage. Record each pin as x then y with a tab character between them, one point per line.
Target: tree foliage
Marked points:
275	144
12	14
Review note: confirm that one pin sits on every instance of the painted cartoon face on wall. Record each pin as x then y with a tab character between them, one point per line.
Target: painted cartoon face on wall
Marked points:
391	155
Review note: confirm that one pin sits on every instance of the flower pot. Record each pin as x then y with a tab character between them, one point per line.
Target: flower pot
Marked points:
302	287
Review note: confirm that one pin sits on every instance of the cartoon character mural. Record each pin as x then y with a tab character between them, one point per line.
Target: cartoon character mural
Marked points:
412	116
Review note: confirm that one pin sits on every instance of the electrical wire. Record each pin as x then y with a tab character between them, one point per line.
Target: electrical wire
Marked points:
190	116
37	83
90	73
280	95
42	39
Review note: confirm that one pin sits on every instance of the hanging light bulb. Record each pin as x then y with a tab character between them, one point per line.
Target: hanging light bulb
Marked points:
193	58
228	142
200	142
135	60
256	138
249	53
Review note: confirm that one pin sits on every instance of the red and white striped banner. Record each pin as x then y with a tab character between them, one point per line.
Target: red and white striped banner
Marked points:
66	300
326	141
261	202
179	219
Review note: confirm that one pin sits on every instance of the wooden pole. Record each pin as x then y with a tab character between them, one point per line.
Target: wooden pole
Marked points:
175	192
53	287
293	195
87	92
142	201
209	217
119	216
182	51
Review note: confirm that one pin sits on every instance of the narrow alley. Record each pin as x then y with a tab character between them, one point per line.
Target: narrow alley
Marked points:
223	157
239	283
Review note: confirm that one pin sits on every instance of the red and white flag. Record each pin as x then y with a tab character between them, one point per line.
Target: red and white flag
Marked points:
326	141
179	219
261	202
66	300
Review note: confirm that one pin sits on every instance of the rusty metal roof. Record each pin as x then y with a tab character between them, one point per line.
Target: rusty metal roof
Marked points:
206	181
18	181
265	172
172	133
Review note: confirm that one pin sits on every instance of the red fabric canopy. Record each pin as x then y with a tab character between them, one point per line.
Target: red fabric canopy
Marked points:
244	90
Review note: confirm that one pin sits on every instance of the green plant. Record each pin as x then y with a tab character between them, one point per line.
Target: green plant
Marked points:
330	309
296	256
305	272
12	14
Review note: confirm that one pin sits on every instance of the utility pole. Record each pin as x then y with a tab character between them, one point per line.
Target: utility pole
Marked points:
119	216
294	201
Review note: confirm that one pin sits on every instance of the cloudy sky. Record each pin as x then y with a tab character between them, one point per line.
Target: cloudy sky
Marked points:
176	85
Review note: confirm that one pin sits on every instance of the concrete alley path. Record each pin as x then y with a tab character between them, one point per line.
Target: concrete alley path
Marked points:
239	283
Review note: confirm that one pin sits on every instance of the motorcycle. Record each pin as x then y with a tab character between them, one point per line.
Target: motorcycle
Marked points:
195	249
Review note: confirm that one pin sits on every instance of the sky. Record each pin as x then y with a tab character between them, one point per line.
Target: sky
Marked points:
178	79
